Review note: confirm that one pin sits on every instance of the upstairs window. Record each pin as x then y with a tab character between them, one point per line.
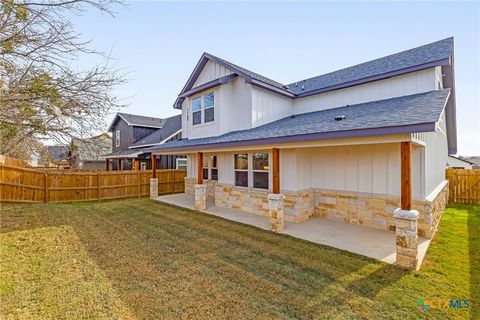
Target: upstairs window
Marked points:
209	107
197	110
117	138
203	108
241	170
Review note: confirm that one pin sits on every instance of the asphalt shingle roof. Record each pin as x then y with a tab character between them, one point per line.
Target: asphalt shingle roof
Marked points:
137	120
428	53
420	108
250	73
170	126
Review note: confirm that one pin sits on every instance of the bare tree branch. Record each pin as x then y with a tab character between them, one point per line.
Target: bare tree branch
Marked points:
41	97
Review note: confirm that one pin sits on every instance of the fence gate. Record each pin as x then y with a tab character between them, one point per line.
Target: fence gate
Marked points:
464	185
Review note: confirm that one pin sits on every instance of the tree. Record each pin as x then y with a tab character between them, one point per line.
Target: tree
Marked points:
41	95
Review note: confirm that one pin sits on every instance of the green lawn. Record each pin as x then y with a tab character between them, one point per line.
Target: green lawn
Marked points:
143	260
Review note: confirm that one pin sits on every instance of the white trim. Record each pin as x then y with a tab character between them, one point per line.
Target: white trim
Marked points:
307	144
171	136
437	190
155	144
201	96
121	156
176	162
117	138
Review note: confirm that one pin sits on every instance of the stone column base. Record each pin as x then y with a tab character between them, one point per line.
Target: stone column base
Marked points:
276	212
406	222
153	188
200	197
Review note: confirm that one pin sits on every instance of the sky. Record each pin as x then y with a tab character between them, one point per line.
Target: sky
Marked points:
159	43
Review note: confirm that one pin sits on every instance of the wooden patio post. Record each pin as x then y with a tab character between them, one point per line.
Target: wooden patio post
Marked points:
107	164
200	168
135	164
154	166
406	175
276	170
119	164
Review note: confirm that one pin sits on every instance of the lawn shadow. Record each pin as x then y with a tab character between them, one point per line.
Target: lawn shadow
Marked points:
474	255
374	282
136	244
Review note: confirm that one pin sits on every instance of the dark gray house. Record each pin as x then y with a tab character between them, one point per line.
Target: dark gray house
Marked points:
132	134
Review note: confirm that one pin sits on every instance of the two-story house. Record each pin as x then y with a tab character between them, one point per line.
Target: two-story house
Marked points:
132	134
352	145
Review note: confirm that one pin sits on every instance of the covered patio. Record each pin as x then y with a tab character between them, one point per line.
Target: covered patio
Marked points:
377	244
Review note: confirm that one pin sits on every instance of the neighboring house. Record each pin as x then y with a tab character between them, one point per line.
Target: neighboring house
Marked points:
475	161
334	145
132	134
458	163
87	153
57	156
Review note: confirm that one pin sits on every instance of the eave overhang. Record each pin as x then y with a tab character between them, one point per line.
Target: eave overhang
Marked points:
357	133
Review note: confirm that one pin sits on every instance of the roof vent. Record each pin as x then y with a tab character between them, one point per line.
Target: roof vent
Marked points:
292	116
340	118
286	87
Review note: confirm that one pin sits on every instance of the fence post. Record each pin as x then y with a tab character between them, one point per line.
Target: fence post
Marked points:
98	186
139	182
46	188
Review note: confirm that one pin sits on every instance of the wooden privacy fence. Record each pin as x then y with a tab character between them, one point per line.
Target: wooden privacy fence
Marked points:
33	186
9	161
464	185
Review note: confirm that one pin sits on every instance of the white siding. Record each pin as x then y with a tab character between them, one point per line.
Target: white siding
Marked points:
268	106
371	168
191	166
210	72
233	104
439	78
204	129
411	83
436	157
363	168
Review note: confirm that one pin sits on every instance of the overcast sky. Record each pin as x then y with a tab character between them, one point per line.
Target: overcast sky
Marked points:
160	43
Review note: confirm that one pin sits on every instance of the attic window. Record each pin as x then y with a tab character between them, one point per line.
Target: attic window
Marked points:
340	118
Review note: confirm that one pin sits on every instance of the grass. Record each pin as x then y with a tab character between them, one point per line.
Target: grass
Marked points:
144	260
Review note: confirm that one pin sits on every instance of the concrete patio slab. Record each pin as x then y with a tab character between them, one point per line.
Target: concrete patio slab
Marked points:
377	244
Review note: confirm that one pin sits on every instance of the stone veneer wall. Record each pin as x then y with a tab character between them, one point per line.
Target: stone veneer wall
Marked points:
376	211
190	182
370	210
299	206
